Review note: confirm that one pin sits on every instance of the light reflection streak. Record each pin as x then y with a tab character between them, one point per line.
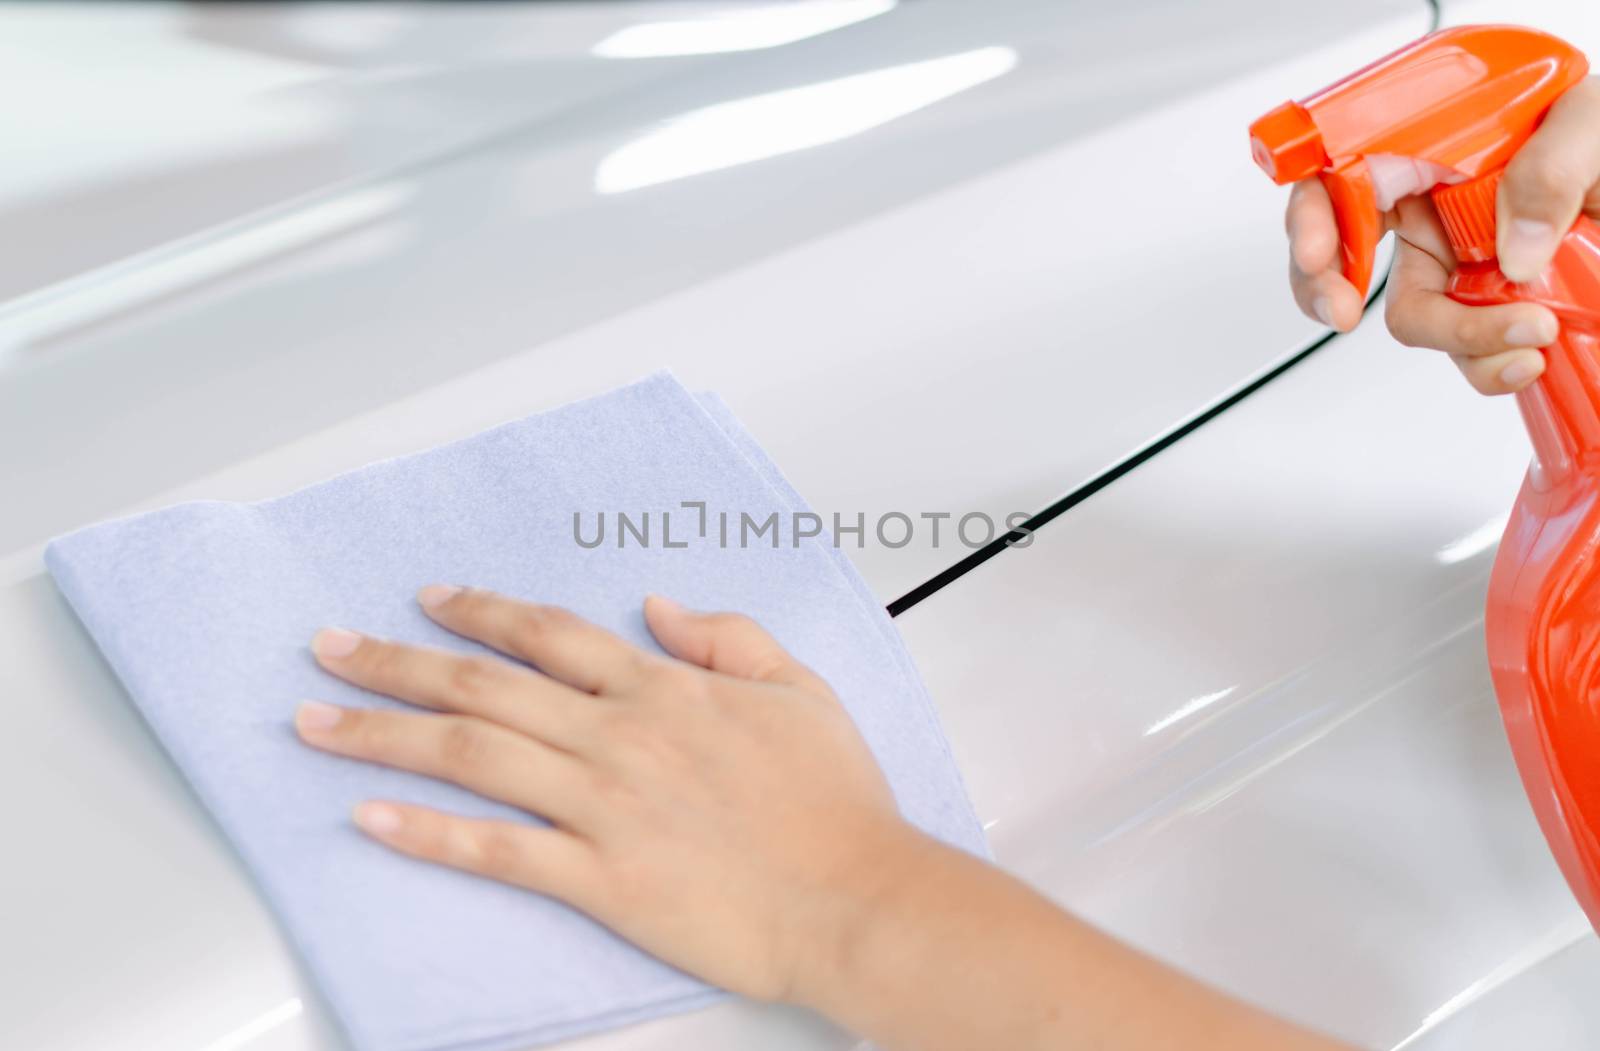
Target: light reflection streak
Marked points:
258	1026
186	263
762	126
1187	709
1479	540
748	29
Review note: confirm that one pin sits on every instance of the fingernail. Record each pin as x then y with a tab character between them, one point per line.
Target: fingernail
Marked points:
315	716
665	603
1323	308
435	595
1529	245
1521	371
334	642
1540	333
378	819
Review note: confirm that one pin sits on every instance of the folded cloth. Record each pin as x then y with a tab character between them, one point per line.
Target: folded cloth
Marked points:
204	611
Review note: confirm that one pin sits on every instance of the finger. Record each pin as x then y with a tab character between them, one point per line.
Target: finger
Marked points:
1320	290
1326	297
1416	222
1503	373
479	756
1547	182
1419	314
1313	230
556	641
457	682
724	642
545	860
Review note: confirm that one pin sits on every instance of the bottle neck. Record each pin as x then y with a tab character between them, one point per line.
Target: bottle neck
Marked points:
1562	411
1467	212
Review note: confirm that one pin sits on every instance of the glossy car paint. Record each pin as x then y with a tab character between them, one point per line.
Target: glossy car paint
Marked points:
1233	707
806	300
1273	754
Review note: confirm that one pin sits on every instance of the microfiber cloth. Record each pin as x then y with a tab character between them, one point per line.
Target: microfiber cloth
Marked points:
205	609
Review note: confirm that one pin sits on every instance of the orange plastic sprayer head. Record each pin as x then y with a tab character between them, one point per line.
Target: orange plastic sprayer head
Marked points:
1460	101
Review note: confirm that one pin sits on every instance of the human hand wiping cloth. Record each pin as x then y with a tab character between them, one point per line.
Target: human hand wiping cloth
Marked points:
1554	177
717	806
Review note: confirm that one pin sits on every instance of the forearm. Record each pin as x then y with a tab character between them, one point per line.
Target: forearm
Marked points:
944	953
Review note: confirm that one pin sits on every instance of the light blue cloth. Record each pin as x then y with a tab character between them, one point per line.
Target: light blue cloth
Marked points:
205	610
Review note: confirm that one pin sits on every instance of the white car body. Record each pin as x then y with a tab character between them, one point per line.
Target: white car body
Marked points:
938	257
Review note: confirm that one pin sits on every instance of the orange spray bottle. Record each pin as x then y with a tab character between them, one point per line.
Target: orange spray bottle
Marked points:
1451	109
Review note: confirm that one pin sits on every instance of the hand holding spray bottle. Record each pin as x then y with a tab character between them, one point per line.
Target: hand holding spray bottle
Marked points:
1451	110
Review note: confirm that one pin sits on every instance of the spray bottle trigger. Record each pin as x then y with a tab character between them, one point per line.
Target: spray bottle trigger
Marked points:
1355	208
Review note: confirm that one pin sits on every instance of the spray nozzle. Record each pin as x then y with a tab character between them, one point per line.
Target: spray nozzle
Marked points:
1456	105
1287	145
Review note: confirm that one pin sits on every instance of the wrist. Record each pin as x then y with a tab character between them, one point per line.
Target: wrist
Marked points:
863	919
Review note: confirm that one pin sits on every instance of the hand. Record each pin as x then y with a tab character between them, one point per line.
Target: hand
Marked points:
716	807
1552	178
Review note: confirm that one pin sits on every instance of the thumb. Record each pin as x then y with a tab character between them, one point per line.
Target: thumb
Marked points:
729	643
1547	181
